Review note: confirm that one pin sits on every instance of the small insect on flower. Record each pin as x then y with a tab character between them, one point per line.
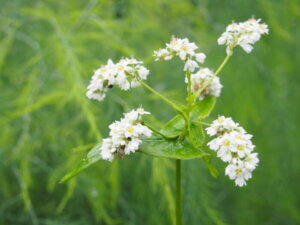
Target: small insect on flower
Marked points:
234	146
244	34
124	74
125	135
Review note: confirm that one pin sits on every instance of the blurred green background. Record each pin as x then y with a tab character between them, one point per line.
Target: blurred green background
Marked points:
48	51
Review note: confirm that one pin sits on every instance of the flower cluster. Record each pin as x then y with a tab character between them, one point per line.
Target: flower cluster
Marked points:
233	145
125	135
200	78
243	34
125	74
184	49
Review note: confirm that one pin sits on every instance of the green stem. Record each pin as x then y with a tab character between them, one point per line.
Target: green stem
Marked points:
178	193
211	79
201	123
188	75
187	127
173	105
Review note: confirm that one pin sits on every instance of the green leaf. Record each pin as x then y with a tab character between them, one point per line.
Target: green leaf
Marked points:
92	157
200	111
168	148
197	135
212	169
174	127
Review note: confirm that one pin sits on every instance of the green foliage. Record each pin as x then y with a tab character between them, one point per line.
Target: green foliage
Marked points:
160	147
200	111
48	51
92	157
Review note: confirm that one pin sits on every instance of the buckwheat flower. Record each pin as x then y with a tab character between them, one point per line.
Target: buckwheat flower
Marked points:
184	49
125	135
200	78
251	160
162	54
107	149
244	34
124	74
220	125
200	57
225	146
238	173
234	146
135	115
190	65
96	90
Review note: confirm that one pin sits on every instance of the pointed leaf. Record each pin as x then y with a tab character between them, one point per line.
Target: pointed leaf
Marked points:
92	157
212	169
197	136
174	127
200	111
161	147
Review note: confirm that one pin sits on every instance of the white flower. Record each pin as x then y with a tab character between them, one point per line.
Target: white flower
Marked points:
234	146
107	149
132	146
244	34
200	57
184	49
162	54
190	65
143	72
125	135
221	125
251	160
238	173
125	74
203	76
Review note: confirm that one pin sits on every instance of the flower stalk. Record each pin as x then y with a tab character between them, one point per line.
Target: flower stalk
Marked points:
169	102
206	84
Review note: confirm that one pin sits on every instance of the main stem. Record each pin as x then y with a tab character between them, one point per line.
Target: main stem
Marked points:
178	193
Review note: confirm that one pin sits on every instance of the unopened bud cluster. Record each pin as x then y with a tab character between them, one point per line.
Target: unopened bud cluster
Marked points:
234	146
125	74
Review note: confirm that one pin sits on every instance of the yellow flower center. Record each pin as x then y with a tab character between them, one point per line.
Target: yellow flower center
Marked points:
140	110
103	70
220	120
184	48
240	147
226	143
238	171
120	68
130	130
